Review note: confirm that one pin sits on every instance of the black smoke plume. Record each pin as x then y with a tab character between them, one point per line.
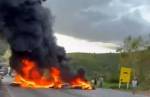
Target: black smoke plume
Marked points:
27	26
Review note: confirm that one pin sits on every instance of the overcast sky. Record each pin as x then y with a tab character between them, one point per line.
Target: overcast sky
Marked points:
104	21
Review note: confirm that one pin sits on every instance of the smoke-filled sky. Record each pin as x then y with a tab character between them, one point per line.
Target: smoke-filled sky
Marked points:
108	21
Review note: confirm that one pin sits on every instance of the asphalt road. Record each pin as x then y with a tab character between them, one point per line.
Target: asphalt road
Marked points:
1	91
23	92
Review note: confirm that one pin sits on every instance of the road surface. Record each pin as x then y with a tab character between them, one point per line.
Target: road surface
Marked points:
23	92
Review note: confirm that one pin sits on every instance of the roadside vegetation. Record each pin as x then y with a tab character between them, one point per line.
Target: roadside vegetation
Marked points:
3	48
134	53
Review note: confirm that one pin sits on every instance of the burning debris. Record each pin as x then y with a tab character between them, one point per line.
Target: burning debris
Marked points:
32	77
36	58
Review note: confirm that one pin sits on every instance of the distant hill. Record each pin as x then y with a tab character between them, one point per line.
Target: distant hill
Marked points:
108	65
105	64
3	46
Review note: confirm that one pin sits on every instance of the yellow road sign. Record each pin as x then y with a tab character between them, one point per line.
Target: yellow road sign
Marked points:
125	75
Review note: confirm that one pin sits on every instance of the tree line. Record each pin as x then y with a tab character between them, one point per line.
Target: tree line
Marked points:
135	53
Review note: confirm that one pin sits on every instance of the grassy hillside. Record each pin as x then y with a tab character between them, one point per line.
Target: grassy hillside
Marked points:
3	48
108	65
144	69
105	64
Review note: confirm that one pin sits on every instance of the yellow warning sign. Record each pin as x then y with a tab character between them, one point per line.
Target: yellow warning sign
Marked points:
125	75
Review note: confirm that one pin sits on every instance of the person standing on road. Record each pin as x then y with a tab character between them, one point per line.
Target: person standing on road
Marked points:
101	80
94	81
134	85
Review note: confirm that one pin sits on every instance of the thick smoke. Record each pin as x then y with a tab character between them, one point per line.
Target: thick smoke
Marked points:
27	26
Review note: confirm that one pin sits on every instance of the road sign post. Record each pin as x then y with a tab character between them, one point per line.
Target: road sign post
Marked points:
125	75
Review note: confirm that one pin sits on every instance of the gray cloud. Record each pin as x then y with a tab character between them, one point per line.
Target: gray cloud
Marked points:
99	20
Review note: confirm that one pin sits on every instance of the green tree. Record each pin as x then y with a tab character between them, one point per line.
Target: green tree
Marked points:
128	52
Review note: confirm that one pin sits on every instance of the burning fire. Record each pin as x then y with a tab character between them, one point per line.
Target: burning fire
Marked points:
80	83
32	77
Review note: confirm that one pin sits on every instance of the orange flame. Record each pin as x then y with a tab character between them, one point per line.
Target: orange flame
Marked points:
79	82
32	77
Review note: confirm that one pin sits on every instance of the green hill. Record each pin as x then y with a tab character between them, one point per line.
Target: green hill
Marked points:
105	64
108	65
